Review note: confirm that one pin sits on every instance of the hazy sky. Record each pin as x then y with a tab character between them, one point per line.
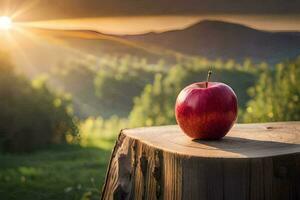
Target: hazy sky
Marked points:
139	16
57	9
143	24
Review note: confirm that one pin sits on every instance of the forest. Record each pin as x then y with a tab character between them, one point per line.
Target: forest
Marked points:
128	91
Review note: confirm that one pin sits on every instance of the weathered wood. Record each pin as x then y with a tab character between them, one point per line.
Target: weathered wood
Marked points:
253	162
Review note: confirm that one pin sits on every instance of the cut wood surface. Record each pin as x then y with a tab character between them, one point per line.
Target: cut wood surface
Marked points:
253	161
244	140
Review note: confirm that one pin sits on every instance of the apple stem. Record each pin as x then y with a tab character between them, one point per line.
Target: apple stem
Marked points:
208	77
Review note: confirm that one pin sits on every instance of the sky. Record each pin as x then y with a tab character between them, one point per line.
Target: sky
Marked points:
141	16
35	10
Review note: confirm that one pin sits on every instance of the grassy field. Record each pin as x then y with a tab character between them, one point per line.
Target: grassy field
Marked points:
60	172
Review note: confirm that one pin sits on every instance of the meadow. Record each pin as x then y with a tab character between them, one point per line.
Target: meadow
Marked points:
60	172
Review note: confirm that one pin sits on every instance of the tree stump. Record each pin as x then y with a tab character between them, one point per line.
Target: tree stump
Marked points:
254	161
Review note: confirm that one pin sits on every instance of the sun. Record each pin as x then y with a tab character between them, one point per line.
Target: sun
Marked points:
5	23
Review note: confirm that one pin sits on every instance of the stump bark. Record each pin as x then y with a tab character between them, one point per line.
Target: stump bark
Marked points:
254	161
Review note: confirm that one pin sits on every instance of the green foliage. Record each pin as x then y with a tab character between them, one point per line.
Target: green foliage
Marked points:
276	96
117	90
77	79
149	107
31	115
104	86
155	106
99	132
107	86
64	172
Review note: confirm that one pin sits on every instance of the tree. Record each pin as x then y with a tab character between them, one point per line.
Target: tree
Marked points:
32	116
276	96
149	107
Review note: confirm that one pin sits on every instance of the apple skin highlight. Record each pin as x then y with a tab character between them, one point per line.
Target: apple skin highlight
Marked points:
206	112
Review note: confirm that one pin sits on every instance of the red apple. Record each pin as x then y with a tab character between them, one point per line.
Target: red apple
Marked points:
206	110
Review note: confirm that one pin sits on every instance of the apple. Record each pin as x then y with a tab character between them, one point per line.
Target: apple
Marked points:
206	110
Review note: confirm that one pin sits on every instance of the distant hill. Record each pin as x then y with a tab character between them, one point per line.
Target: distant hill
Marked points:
217	39
47	48
210	39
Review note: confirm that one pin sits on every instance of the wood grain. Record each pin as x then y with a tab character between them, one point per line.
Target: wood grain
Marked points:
253	162
244	140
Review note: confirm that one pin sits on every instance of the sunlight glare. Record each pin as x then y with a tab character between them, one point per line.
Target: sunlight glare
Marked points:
5	23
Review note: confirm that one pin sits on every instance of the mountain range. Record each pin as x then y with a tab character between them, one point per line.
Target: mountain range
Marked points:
209	39
218	39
